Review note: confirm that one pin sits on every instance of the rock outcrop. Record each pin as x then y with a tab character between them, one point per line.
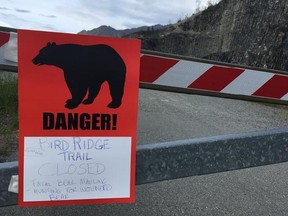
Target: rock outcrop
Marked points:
249	32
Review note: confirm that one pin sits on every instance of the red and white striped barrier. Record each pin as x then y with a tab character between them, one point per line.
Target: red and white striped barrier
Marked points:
190	75
215	78
8	48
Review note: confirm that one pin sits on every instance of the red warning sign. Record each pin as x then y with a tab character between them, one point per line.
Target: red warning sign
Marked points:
78	102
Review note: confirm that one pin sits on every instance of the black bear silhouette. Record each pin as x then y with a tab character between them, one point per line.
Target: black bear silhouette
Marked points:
86	68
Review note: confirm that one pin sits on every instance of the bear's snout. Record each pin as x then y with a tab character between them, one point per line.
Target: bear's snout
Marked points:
36	61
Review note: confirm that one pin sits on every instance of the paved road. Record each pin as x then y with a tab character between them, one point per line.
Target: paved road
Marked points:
169	116
166	116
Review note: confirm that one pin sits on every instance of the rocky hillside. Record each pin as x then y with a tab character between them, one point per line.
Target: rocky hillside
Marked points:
109	31
251	32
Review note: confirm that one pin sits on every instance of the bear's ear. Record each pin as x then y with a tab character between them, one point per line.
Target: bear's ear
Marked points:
51	44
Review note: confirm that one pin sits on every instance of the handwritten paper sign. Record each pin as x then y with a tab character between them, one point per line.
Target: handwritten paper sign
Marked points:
61	168
78	100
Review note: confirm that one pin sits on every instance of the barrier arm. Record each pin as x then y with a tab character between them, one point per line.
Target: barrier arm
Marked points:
167	72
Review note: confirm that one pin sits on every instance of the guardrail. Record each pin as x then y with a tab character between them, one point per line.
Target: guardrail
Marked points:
7	170
183	158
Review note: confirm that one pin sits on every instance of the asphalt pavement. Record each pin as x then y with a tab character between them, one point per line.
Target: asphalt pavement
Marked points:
165	116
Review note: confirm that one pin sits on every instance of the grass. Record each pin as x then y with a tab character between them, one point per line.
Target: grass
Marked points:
8	95
8	116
